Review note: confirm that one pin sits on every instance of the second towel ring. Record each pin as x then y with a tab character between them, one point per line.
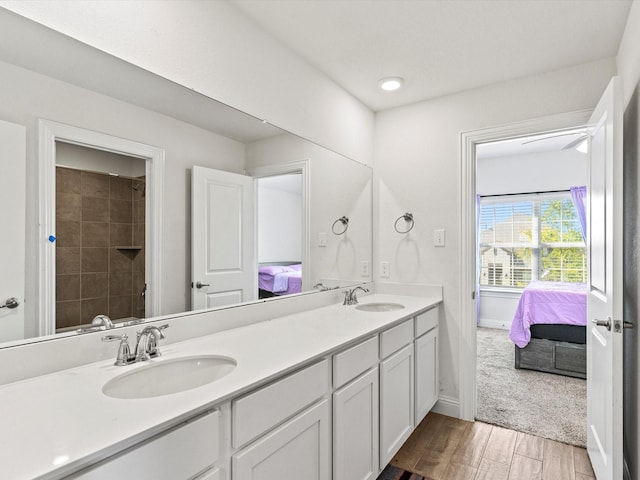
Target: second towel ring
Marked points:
408	217
345	224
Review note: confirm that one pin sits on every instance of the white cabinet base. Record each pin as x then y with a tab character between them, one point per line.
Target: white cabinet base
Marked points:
396	402
355	433
298	449
427	384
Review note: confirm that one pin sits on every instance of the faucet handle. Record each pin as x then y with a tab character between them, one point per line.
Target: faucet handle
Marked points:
347	297
152	344
124	351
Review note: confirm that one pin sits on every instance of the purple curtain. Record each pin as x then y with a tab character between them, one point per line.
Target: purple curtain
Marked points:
579	197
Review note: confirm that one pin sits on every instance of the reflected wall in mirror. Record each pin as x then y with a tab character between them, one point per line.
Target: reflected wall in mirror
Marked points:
118	99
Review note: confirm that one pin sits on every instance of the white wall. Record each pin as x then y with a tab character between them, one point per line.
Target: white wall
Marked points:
211	47
27	96
279	225
539	172
84	158
628	59
338	187
417	169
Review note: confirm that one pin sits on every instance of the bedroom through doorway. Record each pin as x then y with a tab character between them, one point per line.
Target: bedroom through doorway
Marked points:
531	267
280	234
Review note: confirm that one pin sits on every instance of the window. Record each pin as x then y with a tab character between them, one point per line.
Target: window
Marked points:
530	237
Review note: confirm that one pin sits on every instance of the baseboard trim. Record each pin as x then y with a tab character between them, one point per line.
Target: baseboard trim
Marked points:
448	406
490	323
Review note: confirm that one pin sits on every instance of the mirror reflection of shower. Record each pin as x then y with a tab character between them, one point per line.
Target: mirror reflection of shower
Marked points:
100	230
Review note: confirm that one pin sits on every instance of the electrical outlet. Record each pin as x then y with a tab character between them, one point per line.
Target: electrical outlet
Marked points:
322	239
438	237
364	268
384	269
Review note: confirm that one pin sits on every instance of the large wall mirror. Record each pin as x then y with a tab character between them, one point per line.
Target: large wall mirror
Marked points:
131	196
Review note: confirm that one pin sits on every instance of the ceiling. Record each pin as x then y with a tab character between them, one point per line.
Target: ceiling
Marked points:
556	141
439	46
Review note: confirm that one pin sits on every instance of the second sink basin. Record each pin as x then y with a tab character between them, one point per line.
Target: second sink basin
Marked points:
169	376
379	307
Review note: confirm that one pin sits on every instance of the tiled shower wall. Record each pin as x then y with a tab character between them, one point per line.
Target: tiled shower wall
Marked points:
100	246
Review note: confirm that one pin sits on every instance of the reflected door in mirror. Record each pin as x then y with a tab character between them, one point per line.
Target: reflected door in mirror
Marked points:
223	238
12	214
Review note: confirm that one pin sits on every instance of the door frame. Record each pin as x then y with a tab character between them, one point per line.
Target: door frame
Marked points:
302	167
467	295
50	132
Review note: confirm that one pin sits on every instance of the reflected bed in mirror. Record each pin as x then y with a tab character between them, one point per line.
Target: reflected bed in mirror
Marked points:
147	267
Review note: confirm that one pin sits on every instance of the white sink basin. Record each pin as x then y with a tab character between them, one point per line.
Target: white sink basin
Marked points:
169	376
379	307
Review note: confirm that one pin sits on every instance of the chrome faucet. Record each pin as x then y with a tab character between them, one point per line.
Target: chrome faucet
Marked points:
124	356
350	296
102	321
146	345
147	342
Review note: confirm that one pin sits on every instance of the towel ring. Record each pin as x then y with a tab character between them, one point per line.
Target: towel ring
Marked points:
408	217
345	223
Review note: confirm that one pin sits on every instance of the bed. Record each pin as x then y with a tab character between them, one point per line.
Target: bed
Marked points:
279	279
549	328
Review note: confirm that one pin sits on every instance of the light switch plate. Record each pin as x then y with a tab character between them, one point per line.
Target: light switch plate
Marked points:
439	237
364	268
384	269
322	239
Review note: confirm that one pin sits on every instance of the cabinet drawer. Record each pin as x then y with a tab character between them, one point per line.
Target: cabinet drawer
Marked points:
300	449
426	321
179	454
354	361
265	408
395	338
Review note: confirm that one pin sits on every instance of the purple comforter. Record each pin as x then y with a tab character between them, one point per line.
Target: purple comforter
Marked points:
549	303
280	279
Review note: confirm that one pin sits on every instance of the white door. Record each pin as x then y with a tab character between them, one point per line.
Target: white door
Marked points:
396	402
355	429
426	352
12	210
223	264
604	300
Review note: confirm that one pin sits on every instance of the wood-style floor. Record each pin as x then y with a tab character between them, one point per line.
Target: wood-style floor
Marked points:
445	448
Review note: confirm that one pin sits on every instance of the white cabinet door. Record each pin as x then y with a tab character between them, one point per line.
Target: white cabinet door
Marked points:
213	474
396	402
298	449
355	433
426	373
177	455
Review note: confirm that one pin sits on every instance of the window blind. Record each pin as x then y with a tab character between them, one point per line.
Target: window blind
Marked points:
530	237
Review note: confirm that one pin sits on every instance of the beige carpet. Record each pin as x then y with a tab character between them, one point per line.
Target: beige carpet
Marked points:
542	404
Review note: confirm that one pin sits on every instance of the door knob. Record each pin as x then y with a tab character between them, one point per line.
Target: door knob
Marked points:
603	323
200	284
10	303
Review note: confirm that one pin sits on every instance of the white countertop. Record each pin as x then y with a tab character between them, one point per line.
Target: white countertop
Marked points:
58	423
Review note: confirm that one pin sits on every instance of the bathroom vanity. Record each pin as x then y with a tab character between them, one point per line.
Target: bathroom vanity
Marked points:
331	392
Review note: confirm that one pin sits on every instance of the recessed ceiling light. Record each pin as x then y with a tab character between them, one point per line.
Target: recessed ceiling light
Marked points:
390	84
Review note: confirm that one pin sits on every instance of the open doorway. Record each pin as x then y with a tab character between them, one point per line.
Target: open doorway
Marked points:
531	272
54	136
280	230
100	244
